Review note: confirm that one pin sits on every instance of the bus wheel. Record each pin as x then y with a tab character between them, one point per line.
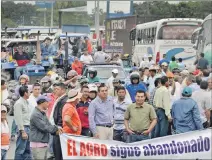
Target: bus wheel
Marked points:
6	75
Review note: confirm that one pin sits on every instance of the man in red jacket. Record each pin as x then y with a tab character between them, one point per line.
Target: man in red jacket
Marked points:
21	59
82	109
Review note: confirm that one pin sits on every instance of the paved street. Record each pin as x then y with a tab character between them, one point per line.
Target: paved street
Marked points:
11	152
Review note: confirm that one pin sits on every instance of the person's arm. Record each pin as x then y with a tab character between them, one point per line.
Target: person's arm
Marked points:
196	117
208	107
126	120
153	118
91	117
108	58
18	116
167	104
68	122
43	126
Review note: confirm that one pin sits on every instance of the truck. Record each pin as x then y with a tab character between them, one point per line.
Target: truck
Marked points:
202	39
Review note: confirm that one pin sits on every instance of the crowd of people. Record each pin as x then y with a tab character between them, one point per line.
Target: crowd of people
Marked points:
160	100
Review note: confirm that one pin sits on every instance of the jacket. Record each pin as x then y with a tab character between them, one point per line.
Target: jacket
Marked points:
57	115
40	127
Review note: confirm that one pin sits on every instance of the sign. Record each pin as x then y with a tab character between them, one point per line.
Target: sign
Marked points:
192	145
42	4
117	34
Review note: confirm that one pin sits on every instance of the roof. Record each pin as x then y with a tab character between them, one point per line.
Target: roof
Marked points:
18	41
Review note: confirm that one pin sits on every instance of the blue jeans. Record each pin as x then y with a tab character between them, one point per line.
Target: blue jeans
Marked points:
118	135
17	72
135	138
161	128
23	151
3	154
14	129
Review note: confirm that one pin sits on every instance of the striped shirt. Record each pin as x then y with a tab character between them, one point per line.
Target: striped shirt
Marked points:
120	108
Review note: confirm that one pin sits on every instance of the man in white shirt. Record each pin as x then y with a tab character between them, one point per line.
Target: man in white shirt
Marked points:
86	58
109	82
100	56
36	91
203	99
4	93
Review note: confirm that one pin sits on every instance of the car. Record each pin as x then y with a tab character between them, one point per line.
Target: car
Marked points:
104	71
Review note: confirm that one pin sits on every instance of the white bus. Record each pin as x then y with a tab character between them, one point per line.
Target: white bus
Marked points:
202	38
169	37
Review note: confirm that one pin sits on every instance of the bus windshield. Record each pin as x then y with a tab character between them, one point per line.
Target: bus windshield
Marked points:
176	32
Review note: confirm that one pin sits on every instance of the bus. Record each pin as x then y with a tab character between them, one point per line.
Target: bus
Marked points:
202	39
164	38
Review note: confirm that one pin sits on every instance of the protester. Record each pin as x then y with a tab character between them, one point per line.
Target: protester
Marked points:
77	66
146	75
151	61
145	63
72	82
118	60
190	82
140	119
210	84
5	133
135	86
202	62
203	99
92	91
56	116
120	104
164	67
184	74
109	82
40	128
162	103
101	112
36	91
205	75
93	78
70	117
4	94
185	113
181	65
152	94
151	79
173	64
22	119
20	59
46	85
86	58
100	56
82	109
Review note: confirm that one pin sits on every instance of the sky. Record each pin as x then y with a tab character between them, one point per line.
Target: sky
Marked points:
114	5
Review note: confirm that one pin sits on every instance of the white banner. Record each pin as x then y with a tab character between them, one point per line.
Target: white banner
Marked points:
192	145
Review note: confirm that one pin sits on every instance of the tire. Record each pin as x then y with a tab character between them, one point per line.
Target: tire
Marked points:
5	75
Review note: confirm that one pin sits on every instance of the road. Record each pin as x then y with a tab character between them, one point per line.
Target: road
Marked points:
11	152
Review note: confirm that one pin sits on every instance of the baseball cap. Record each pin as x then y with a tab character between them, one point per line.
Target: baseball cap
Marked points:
72	73
152	68
92	88
187	91
73	95
115	71
3	108
45	79
164	64
185	72
42	99
170	75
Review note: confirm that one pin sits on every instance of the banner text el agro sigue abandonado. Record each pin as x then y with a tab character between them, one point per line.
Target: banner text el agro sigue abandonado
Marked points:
192	145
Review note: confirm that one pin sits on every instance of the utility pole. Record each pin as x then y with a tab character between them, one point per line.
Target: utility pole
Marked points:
44	19
23	20
97	21
52	12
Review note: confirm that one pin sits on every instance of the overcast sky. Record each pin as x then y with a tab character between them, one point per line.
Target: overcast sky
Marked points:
114	5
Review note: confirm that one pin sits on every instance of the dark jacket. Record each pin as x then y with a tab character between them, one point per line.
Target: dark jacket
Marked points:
57	115
40	127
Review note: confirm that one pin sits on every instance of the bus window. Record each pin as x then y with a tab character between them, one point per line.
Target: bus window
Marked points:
176	32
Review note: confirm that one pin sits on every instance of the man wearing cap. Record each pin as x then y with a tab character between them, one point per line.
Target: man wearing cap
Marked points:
46	85
92	91
100	56
22	112
190	82
72	82
109	82
151	61
101	113
86	58
70	117
40	127
164	67
185	113
151	78
5	133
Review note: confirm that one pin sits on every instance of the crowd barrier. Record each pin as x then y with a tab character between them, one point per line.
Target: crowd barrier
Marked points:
191	145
